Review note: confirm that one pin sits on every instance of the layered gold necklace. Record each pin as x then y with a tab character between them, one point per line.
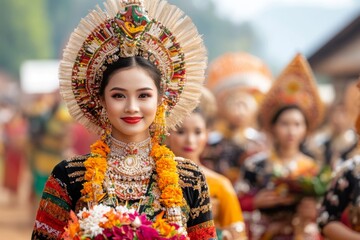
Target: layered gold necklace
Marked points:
130	167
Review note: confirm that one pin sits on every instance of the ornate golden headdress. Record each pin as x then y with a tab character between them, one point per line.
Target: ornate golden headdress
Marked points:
238	71
152	29
294	86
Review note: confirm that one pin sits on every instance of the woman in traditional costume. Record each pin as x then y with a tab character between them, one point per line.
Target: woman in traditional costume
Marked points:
188	141
340	213
239	81
279	205
130	72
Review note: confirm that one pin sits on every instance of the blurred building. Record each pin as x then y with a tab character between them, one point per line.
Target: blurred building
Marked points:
338	60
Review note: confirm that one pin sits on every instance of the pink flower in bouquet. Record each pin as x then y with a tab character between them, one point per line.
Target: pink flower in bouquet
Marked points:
103	222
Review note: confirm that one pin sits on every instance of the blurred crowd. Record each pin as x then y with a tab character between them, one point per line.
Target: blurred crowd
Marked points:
254	140
36	133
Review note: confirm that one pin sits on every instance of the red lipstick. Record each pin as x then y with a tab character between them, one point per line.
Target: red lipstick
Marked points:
131	120
188	149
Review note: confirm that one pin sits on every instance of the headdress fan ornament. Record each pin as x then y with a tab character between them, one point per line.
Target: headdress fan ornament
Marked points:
294	86
238	70
152	29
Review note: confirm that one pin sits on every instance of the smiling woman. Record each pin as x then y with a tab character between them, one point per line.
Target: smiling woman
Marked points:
130	100
276	179
129	77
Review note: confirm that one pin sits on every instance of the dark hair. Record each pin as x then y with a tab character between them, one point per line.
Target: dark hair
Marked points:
129	62
287	108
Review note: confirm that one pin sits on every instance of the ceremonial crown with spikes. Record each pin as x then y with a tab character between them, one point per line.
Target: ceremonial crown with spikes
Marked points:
152	29
294	86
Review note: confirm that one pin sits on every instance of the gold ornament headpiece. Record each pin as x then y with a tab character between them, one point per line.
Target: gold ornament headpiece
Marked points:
238	71
294	86
152	29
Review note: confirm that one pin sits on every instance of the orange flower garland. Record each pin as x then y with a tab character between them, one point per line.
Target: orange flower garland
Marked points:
171	193
96	166
168	181
168	178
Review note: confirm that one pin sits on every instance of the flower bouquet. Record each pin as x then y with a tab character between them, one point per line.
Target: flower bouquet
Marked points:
105	223
305	184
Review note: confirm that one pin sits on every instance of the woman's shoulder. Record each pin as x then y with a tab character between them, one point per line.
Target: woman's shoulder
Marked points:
214	176
350	165
253	162
187	169
72	168
76	161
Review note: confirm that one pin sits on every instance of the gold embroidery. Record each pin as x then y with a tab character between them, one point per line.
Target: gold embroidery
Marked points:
77	174
195	212
203	196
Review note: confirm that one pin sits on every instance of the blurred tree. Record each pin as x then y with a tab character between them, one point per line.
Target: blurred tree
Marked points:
64	17
40	29
24	30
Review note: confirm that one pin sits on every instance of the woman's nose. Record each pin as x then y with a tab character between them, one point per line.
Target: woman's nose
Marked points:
131	106
190	138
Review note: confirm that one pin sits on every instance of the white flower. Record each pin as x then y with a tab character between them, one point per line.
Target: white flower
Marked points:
90	224
136	223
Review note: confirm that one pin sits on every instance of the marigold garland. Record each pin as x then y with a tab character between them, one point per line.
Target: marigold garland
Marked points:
171	193
168	178
96	166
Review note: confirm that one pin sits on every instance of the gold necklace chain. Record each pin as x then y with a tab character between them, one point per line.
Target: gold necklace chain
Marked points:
129	168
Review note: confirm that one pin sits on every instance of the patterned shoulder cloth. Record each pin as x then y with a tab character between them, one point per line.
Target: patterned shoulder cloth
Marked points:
60	194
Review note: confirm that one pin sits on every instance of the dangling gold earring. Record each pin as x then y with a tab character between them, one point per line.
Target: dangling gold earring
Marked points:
158	127
106	125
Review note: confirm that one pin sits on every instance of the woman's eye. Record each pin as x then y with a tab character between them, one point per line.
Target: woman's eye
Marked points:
144	95
198	132
180	131
118	95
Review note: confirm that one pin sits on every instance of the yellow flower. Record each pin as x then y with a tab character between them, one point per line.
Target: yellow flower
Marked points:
96	166
164	228
113	220
167	179
168	182
172	196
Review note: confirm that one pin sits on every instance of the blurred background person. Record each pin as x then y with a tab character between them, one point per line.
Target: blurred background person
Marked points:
280	205
238	81
339	213
188	141
49	128
337	140
14	146
342	139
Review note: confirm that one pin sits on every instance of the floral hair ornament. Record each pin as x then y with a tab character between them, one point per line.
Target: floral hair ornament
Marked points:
294	86
152	29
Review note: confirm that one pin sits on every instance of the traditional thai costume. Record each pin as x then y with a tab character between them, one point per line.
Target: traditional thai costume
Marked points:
145	177
238	81
341	201
265	170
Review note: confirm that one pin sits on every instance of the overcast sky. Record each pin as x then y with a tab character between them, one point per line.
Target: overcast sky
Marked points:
249	9
290	26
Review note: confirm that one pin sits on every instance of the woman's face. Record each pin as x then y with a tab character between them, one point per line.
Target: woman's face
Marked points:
131	100
189	140
290	128
239	109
